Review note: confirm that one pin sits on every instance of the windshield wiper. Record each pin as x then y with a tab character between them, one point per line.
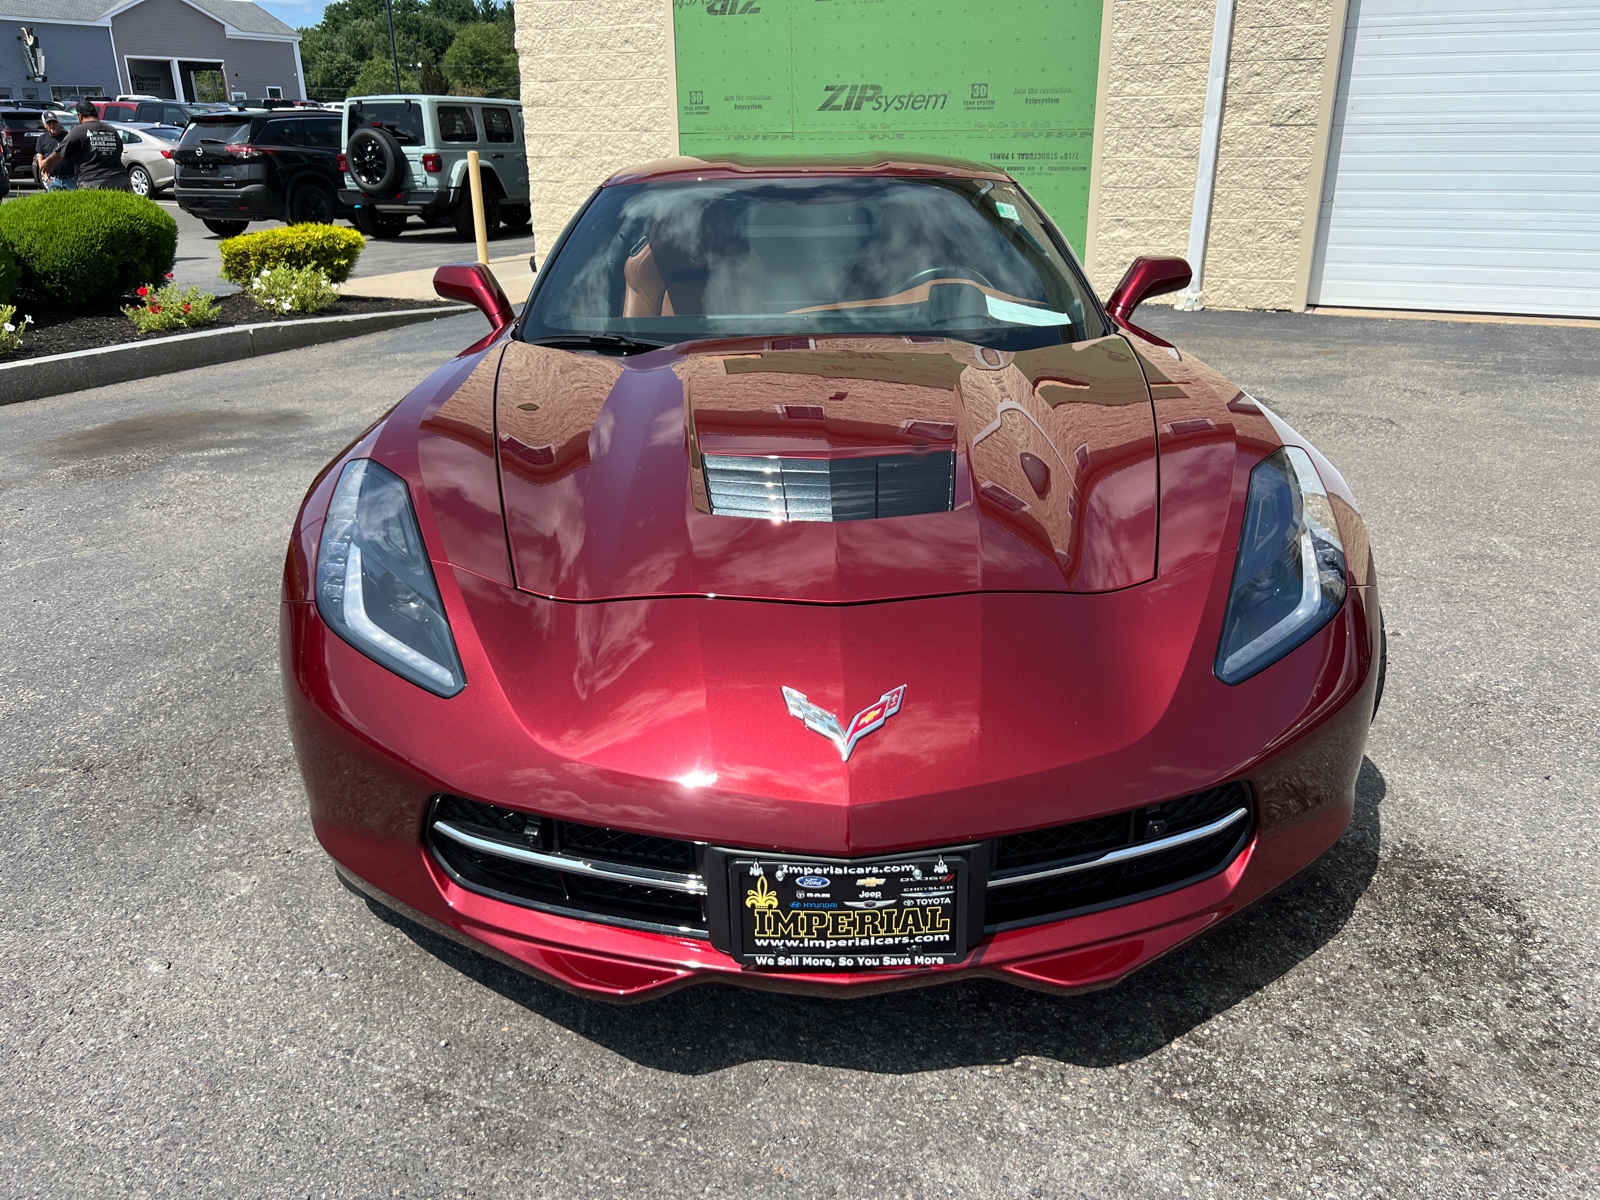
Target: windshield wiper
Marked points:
614	342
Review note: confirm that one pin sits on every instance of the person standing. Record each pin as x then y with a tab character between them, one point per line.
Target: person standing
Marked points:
93	151
52	137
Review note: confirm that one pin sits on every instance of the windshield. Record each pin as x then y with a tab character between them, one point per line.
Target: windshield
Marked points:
676	261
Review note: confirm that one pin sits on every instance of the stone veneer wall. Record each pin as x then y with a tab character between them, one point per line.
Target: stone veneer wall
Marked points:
1150	117
1265	160
598	93
1160	53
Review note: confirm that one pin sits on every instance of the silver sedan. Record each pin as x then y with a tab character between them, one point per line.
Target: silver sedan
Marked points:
147	155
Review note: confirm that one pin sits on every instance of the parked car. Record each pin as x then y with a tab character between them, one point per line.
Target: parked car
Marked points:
154	112
237	167
779	602
147	155
407	156
19	135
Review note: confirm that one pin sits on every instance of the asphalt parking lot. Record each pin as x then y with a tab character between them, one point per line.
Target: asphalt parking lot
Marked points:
199	260
192	1005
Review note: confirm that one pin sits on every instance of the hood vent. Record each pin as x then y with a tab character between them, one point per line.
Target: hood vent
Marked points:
830	489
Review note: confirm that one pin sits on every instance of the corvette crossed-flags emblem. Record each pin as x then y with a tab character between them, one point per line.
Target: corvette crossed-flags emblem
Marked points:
820	720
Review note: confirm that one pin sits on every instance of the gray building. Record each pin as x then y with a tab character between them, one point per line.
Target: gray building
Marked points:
176	49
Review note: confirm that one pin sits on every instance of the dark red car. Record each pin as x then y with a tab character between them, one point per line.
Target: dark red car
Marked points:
817	589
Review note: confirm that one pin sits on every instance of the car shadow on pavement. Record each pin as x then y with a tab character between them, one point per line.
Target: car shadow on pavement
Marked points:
704	1029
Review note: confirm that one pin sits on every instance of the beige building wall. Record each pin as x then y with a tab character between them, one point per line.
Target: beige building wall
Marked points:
1270	152
598	93
1269	156
1150	115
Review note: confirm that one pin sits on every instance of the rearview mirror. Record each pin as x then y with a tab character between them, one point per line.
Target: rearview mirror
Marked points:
1146	277
475	284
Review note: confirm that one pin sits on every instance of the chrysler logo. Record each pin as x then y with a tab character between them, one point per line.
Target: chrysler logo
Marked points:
820	720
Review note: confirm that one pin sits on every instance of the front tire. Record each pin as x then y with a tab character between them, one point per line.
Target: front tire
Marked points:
312	203
379	224
1383	664
225	229
139	180
515	216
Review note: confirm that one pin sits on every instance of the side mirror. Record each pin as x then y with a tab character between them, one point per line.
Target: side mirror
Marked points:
475	284
1146	277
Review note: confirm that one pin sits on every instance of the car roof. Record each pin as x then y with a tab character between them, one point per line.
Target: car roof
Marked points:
739	166
442	99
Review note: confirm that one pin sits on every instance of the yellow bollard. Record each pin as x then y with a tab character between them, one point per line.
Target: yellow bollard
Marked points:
475	173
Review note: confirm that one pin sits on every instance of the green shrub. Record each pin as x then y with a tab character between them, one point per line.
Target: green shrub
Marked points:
292	289
87	247
12	327
170	307
10	272
330	249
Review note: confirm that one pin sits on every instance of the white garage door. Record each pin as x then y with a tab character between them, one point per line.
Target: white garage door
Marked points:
1464	164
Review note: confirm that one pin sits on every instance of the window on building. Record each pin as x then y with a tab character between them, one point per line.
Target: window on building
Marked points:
456	124
274	93
68	91
497	126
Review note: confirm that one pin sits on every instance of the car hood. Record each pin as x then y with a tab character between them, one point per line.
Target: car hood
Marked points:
1042	466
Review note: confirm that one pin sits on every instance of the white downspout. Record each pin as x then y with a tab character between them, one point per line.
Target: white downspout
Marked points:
1205	177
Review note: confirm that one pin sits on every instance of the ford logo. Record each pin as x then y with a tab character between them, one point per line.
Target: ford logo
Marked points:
812	881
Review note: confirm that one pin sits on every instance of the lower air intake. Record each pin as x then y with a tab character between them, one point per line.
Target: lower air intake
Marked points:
1052	873
830	489
577	870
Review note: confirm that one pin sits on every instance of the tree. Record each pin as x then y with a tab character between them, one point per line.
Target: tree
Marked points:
483	62
376	78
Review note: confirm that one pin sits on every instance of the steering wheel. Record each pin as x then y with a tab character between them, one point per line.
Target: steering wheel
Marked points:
933	273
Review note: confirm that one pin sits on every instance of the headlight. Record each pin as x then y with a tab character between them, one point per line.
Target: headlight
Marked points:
374	585
1289	579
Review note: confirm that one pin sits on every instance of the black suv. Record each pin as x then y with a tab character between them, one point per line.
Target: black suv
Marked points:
236	167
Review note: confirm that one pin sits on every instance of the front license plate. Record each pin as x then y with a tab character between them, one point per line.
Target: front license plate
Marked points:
890	914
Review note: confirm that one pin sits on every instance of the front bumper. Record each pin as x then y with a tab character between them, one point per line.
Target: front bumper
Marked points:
369	804
427	200
254	202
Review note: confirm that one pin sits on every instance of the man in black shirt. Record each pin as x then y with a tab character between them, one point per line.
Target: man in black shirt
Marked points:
49	140
94	150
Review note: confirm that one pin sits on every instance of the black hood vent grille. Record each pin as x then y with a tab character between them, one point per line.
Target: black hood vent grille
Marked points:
830	489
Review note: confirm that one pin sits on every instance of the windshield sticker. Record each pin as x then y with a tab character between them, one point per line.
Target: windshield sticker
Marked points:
1023	314
1008	211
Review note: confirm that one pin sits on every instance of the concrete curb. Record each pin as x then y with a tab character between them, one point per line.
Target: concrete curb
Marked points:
36	378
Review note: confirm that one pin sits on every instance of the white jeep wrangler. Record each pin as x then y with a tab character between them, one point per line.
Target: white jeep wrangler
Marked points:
407	155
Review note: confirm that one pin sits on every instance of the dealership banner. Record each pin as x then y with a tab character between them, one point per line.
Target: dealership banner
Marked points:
1009	83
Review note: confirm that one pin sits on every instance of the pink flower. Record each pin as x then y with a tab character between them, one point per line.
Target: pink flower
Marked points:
144	291
155	308
185	308
169	274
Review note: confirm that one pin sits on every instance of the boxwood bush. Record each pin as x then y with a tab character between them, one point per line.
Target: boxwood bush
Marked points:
329	248
88	247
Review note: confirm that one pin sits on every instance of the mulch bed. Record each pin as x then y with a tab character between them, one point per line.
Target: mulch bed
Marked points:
61	332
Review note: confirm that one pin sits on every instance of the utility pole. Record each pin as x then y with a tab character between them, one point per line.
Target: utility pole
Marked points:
394	53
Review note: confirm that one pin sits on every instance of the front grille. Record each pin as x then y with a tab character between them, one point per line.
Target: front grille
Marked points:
652	882
1050	873
830	489
579	870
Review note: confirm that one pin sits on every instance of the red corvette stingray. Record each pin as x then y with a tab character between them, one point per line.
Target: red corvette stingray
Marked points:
817	589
